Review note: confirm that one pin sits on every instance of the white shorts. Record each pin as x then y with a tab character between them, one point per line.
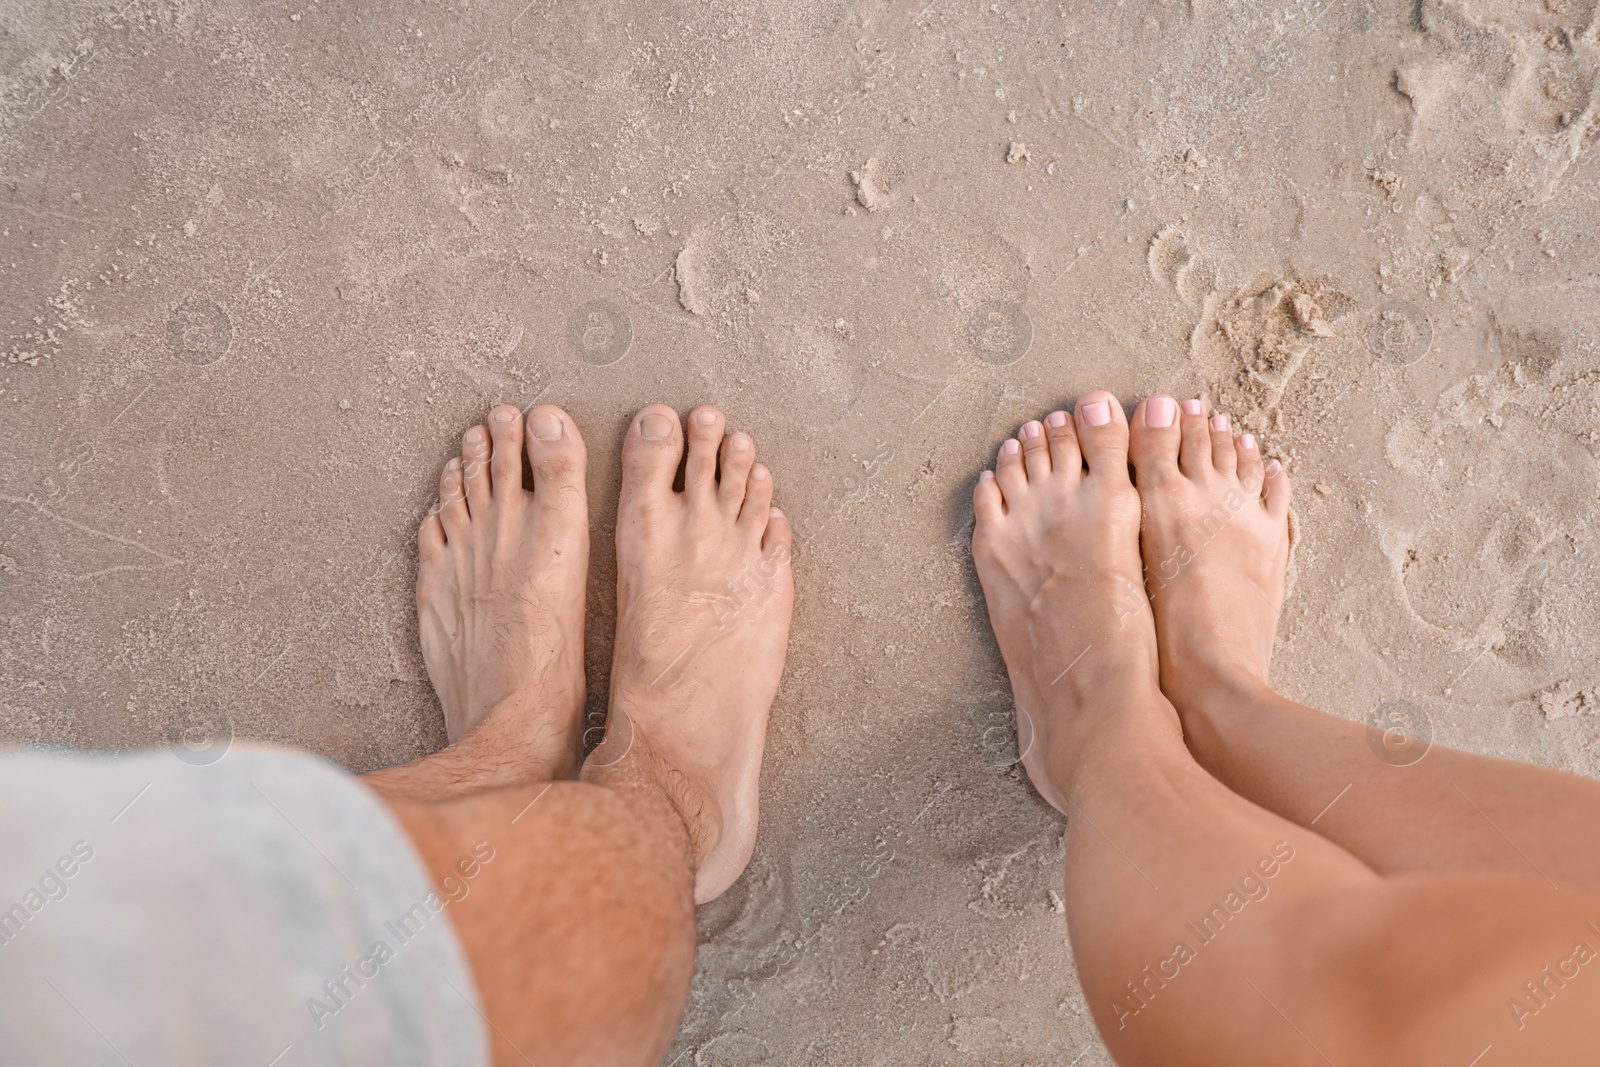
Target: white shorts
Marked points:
263	910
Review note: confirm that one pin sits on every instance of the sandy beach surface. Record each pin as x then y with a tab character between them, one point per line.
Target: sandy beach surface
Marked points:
262	263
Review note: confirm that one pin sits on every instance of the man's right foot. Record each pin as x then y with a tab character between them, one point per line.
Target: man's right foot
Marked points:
704	597
1216	547
1057	551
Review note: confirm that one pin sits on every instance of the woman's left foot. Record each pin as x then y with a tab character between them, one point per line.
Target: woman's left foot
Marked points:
501	579
1057	550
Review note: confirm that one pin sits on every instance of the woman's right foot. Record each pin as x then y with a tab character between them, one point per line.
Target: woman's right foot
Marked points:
1216	547
1057	551
704	597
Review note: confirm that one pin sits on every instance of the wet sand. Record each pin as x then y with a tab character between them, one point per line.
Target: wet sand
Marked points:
263	263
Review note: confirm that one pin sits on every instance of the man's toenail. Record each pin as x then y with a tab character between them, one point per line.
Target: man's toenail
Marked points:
1056	419
739	443
504	415
1159	411
545	426
776	512
706	418
1030	430
1193	407
986	476
1219	422
1273	467
1011	447
655	427
759	474
454	464
1098	413
1249	441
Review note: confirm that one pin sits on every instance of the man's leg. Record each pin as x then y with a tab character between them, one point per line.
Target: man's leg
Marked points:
1206	929
580	929
1215	548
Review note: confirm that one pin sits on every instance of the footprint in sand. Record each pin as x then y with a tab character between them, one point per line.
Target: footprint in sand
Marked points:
1503	484
1175	263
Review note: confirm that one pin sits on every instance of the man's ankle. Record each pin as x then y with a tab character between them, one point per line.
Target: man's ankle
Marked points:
632	768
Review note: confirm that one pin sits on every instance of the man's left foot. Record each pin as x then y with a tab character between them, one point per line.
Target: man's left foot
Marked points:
501	578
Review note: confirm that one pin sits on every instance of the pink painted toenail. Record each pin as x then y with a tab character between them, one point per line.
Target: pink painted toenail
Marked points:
1249	441
1056	419
986	476
1030	430
1159	411
1193	407
1219	423
504	415
706	418
655	427
1098	413
545	427
1011	447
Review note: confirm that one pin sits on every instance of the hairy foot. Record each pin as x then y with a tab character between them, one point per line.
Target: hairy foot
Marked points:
500	591
1057	550
1215	542
704	596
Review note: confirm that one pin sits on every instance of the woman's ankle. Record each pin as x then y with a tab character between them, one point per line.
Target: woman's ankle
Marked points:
1143	732
1211	688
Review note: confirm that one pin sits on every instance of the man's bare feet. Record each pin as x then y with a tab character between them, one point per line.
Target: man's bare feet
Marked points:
1215	542
1057	550
500	590
704	597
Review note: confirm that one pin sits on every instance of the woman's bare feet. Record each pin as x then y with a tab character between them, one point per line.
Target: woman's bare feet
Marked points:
1057	550
1216	545
704	597
500	590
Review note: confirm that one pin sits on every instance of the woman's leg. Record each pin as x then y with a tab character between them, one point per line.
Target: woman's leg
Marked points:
1206	929
1215	544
